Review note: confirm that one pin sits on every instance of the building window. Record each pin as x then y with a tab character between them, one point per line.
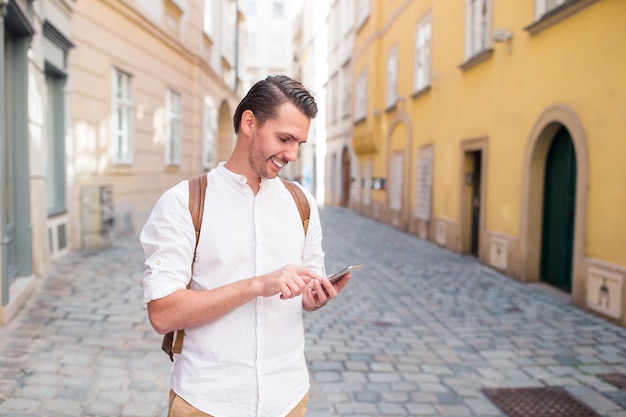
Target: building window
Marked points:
55	164
477	27
424	184
251	44
173	128
208	136
333	96
360	97
392	76
347	15
544	6
421	77
173	15
347	90
208	16
278	9
277	44
397	176
122	118
367	184
250	7
363	11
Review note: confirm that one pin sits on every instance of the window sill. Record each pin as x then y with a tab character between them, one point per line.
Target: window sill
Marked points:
557	15
57	211
477	59
122	164
422	91
208	41
391	107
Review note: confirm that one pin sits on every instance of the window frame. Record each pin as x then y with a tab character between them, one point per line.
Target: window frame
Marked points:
333	97
363	12
422	53
360	95
477	34
56	161
541	7
278	9
173	127
547	18
391	95
396	181
207	22
347	89
122	131
209	135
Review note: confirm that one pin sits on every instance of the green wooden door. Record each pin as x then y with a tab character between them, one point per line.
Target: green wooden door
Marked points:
558	212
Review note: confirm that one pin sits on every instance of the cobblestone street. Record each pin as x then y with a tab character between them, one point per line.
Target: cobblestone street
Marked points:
419	332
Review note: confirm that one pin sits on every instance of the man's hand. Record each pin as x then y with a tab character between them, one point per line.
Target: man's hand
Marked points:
321	291
289	281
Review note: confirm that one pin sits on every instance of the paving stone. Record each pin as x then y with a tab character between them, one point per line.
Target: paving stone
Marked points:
418	332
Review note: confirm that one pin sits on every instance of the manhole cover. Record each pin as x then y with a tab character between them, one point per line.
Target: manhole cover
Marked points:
619	380
537	402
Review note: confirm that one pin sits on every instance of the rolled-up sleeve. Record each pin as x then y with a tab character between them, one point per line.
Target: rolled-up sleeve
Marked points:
168	241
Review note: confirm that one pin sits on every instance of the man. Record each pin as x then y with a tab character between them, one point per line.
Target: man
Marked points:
255	270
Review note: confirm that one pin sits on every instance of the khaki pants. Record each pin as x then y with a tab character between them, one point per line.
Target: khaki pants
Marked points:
180	408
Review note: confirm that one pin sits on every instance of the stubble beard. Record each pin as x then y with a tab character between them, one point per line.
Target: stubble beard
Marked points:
257	159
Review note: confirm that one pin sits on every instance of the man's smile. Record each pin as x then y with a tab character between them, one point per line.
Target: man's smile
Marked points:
276	162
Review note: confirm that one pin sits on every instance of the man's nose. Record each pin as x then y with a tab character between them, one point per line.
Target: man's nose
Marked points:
292	153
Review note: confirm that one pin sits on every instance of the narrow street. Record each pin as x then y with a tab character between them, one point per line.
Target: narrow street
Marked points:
419	332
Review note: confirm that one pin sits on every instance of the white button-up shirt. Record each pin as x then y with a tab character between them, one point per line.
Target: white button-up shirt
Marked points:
249	362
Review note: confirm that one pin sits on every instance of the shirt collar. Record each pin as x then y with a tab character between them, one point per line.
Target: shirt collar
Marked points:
238	178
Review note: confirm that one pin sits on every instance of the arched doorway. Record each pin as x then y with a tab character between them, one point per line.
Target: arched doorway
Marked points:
545	131
225	136
559	205
399	166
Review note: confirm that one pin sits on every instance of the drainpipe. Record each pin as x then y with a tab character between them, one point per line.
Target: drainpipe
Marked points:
236	48
4	273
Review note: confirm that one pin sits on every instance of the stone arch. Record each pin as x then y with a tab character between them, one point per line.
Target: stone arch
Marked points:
539	141
225	132
400	123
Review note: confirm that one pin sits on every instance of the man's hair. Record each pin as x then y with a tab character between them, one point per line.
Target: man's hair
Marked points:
267	95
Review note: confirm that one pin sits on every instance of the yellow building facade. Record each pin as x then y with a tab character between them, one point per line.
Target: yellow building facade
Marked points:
497	130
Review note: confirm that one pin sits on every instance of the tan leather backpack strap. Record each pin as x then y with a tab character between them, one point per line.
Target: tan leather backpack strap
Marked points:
301	201
197	191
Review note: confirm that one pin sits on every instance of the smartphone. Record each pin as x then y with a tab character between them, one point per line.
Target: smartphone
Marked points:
337	275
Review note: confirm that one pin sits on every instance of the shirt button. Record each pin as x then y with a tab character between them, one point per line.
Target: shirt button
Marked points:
242	179
158	262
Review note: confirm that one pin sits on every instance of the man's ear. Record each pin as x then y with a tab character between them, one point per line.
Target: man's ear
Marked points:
248	121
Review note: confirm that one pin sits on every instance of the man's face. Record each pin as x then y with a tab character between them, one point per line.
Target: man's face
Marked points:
276	143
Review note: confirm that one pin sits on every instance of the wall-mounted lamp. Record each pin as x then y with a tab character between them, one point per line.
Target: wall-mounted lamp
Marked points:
502	35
